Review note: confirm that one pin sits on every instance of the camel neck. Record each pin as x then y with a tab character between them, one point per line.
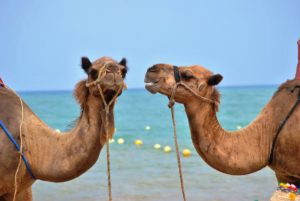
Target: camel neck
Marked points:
236	152
64	156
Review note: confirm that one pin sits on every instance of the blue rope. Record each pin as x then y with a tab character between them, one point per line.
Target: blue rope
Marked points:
17	147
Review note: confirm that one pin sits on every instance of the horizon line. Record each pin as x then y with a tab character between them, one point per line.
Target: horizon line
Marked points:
142	88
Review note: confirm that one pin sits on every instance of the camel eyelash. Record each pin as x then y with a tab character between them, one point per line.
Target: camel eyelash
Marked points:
187	77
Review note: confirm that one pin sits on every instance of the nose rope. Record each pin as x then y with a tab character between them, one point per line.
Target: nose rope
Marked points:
177	154
107	135
101	74
171	106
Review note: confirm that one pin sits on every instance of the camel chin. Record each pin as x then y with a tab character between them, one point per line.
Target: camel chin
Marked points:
112	88
152	87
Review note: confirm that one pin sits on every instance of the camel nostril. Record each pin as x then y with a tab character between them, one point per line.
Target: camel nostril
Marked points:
113	69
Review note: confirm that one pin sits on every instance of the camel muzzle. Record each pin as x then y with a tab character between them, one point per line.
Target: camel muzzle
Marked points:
109	76
112	81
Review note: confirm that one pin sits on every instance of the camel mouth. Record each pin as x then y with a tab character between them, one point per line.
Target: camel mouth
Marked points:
109	94
152	87
149	84
152	82
113	87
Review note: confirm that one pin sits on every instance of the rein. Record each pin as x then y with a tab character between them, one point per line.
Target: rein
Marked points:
283	123
171	104
97	82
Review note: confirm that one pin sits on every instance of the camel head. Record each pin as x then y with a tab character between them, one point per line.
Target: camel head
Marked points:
161	78
104	73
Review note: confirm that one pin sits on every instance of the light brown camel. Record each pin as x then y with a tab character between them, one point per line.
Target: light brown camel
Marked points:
52	156
234	152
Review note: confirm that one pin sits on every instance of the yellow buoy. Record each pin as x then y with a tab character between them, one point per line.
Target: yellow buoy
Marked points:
157	146
147	128
111	140
186	153
167	149
138	142
121	141
292	196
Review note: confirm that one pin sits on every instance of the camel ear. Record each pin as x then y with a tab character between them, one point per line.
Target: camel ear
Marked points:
86	64
214	79
123	62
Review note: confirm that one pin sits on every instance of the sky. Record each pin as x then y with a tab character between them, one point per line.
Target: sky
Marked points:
249	42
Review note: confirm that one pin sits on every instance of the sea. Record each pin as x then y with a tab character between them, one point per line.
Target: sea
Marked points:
143	173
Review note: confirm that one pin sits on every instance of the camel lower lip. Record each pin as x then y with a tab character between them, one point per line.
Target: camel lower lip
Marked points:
152	87
149	84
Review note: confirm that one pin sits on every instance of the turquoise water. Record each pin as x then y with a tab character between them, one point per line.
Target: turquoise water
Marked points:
143	173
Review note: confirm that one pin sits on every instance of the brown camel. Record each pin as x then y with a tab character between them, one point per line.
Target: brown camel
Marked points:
238	152
52	156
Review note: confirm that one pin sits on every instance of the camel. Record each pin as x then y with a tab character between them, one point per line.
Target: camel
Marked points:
237	152
53	156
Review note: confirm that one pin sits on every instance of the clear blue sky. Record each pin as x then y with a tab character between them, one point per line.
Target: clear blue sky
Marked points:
250	42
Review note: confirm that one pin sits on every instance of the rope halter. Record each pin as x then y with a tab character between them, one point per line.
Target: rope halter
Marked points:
101	74
178	83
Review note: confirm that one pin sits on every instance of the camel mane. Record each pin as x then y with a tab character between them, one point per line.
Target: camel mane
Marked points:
214	95
81	94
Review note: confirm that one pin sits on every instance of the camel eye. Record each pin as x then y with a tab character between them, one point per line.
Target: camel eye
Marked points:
187	75
94	74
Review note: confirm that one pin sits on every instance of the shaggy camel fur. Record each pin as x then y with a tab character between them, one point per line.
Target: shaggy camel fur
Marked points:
234	152
53	156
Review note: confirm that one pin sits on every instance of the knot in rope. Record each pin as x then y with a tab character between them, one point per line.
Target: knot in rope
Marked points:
172	97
